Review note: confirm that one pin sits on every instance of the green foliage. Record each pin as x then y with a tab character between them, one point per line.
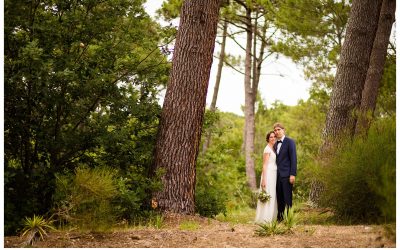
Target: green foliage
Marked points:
220	170
221	182
98	198
238	215
81	80
170	9
390	231
209	202
156	221
134	194
386	102
189	225
316	216
209	198
312	34
270	228
360	179
290	218
25	193
85	198
35	228
211	119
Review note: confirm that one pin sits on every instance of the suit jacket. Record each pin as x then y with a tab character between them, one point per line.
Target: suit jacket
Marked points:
286	160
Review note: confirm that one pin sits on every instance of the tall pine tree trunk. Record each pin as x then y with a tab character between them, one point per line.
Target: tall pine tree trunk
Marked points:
217	81
260	59
349	80
257	63
251	90
376	66
249	102
183	109
351	72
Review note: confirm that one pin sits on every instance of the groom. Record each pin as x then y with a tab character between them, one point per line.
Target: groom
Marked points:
286	160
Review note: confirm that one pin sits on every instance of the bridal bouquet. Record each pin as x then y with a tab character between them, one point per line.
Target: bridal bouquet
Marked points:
263	196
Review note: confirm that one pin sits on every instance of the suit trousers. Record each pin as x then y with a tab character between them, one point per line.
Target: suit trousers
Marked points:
284	194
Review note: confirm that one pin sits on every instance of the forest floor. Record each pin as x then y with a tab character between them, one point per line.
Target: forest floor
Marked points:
199	232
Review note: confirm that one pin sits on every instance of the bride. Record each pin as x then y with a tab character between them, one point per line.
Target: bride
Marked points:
268	211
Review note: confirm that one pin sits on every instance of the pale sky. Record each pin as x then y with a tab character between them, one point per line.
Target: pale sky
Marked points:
288	89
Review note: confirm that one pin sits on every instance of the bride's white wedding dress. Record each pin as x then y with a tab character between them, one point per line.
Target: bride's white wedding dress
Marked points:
268	211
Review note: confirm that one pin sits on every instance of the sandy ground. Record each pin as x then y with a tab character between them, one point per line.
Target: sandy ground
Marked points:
208	233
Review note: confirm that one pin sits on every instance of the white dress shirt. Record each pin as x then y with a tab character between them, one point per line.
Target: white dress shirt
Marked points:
280	144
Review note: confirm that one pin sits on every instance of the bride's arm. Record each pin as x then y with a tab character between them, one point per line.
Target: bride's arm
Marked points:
264	170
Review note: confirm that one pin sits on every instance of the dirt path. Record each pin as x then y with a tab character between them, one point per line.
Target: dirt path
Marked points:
215	234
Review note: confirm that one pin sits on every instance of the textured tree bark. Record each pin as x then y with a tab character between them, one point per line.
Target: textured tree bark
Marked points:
249	101
250	128
183	109
217	81
349	80
351	72
260	59
376	66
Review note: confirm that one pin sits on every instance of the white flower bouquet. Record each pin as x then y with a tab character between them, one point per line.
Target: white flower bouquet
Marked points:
263	196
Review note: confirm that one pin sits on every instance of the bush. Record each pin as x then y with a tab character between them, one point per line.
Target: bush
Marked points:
97	198
210	201
210	196
220	179
360	180
84	199
26	193
134	193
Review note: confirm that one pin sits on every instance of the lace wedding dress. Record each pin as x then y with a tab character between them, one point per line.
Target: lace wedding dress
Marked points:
268	211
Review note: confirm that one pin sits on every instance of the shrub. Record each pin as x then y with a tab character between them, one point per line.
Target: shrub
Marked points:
84	199
134	194
97	198
360	179
221	168
25	193
210	201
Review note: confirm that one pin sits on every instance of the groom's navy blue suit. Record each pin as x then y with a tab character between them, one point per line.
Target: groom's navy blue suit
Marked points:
286	160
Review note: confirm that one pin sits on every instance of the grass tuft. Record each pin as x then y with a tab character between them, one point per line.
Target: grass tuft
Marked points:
189	225
35	229
271	228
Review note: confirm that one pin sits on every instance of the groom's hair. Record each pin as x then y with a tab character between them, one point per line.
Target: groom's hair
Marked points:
279	125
